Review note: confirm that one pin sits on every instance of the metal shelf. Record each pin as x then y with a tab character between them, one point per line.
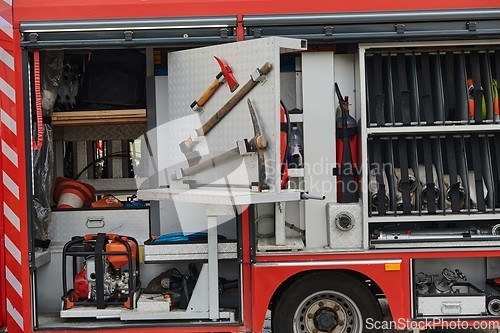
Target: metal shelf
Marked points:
99	117
218	196
439	129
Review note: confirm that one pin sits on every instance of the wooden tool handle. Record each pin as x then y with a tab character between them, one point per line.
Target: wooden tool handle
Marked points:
237	97
209	92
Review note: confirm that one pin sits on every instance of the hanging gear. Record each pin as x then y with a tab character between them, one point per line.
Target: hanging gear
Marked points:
347	152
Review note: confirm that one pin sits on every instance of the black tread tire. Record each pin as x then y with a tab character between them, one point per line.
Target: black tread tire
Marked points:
289	301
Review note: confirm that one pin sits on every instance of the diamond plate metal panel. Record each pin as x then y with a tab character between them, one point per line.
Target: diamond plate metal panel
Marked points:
127	222
340	238
190	73
193	251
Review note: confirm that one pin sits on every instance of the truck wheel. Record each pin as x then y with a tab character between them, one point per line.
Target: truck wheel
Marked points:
330	302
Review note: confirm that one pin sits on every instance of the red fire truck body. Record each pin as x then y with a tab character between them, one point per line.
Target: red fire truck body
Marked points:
265	276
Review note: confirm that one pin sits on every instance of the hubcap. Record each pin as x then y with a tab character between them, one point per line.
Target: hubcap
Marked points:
327	312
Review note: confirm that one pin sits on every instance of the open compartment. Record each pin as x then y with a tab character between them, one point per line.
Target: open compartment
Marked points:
455	287
449	288
111	147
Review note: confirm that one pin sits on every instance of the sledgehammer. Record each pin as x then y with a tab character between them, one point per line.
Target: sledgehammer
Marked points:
187	145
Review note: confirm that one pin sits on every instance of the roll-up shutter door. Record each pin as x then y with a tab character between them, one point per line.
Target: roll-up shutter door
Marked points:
172	32
377	26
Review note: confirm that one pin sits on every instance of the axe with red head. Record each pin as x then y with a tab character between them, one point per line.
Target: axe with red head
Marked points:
225	75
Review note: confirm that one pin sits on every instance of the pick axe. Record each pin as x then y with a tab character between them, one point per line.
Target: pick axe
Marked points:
225	75
187	145
257	144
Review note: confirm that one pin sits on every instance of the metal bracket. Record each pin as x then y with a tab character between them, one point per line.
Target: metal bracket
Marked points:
256	76
33	38
224	32
400	28
129	37
257	32
472	26
328	30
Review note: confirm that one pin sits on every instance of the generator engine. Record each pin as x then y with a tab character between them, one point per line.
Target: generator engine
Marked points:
115	282
109	273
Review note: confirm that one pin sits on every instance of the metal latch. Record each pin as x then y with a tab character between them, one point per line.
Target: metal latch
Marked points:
400	28
328	30
224	32
472	26
257	32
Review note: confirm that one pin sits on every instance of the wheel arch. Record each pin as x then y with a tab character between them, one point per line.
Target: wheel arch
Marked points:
370	283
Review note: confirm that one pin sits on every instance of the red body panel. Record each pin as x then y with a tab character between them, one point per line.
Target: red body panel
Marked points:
79	9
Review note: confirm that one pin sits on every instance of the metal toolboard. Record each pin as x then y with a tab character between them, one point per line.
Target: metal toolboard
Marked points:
190	73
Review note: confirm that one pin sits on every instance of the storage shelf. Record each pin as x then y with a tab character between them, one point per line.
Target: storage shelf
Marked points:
164	253
218	196
99	117
42	257
437	130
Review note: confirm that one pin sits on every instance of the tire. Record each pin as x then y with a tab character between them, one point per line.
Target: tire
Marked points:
332	302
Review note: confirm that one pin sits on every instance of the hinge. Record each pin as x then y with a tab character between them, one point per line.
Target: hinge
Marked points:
30	259
257	32
129	37
224	32
328	30
472	26
400	28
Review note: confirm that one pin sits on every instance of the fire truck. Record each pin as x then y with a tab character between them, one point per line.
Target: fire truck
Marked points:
200	166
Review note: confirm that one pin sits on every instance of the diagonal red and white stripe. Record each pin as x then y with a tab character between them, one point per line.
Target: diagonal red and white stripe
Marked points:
14	227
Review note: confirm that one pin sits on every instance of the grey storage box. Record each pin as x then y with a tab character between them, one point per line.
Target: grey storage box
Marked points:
469	301
123	221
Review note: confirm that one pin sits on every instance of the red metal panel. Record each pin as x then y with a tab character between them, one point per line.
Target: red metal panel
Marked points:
83	9
13	191
267	277
272	270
